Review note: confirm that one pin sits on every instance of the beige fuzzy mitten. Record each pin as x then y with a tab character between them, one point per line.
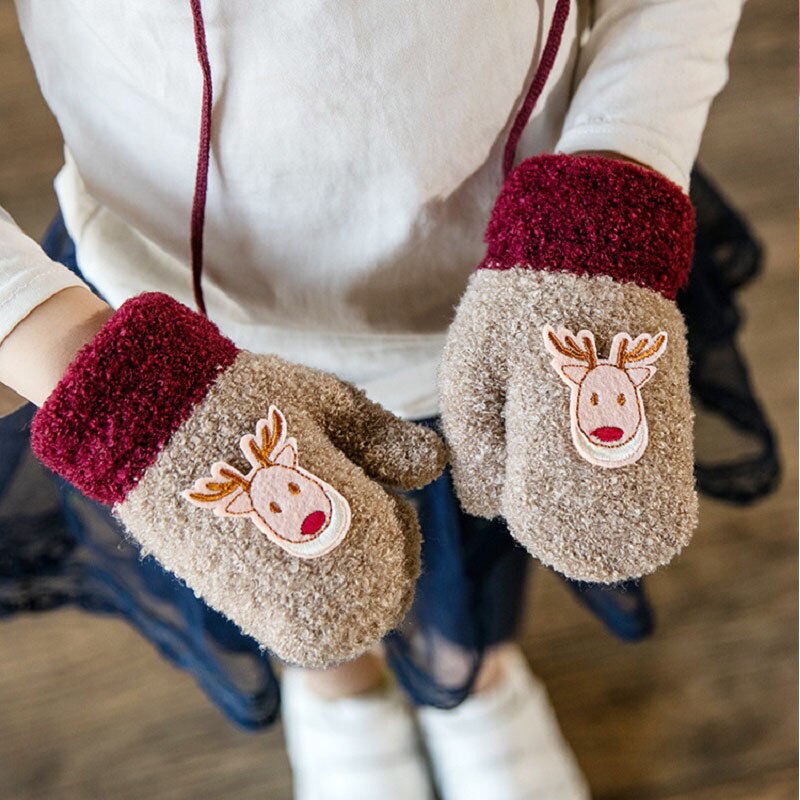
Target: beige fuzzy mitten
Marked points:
256	481
564	385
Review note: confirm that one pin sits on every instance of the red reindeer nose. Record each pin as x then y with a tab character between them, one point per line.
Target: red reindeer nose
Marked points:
607	434
312	523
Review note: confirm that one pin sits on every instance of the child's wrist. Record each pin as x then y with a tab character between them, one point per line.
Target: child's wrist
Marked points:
35	355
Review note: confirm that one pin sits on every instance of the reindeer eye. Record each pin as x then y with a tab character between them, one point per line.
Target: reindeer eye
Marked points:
274	508
621	399
294	488
594	399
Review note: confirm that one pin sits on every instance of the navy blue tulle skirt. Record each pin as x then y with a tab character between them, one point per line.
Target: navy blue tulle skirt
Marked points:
59	548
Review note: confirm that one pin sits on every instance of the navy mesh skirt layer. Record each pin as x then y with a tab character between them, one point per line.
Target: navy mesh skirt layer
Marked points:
59	548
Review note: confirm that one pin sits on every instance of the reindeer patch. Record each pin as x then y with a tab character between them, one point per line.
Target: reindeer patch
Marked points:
294	508
607	418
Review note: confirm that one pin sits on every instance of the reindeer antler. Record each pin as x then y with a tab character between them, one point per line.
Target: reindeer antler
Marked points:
645	350
570	347
212	490
271	435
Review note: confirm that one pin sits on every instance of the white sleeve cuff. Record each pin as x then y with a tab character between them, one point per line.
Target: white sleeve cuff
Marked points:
627	140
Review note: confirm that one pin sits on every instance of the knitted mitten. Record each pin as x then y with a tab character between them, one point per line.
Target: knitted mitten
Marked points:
564	386
253	480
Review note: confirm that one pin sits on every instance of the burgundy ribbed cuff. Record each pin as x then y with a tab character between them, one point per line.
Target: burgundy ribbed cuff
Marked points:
593	216
125	394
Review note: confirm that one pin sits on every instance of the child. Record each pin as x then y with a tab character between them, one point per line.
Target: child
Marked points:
355	156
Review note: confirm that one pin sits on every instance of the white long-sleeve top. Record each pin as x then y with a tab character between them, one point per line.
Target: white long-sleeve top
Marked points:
356	152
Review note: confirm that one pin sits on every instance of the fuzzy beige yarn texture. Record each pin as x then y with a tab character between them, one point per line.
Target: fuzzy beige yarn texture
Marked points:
309	612
506	419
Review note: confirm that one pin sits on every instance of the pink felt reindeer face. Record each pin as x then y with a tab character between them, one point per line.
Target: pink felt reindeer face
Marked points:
295	509
607	418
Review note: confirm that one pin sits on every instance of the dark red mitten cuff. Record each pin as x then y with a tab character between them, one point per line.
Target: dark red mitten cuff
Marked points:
126	392
593	216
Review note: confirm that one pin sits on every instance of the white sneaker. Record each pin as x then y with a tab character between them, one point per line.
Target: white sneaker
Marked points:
503	743
352	748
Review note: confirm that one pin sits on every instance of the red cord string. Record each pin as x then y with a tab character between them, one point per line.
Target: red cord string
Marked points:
537	84
203	155
204	149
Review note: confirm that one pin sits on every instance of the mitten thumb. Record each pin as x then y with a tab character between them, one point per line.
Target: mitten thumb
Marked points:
389	449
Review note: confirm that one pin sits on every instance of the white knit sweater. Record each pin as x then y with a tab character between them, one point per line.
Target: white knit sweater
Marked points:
356	154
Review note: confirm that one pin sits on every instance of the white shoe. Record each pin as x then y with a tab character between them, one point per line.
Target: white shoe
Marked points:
503	743
352	748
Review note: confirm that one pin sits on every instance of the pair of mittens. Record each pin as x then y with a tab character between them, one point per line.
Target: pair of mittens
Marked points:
256	481
564	384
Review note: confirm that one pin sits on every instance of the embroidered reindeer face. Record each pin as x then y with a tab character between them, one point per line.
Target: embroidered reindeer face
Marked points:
607	417
295	509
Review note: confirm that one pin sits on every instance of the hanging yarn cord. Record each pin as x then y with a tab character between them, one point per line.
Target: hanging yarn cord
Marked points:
203	157
546	62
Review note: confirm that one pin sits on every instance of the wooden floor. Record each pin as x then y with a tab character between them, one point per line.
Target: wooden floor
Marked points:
705	710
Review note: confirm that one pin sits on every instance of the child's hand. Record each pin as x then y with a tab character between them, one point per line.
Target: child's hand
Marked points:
564	386
254	480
